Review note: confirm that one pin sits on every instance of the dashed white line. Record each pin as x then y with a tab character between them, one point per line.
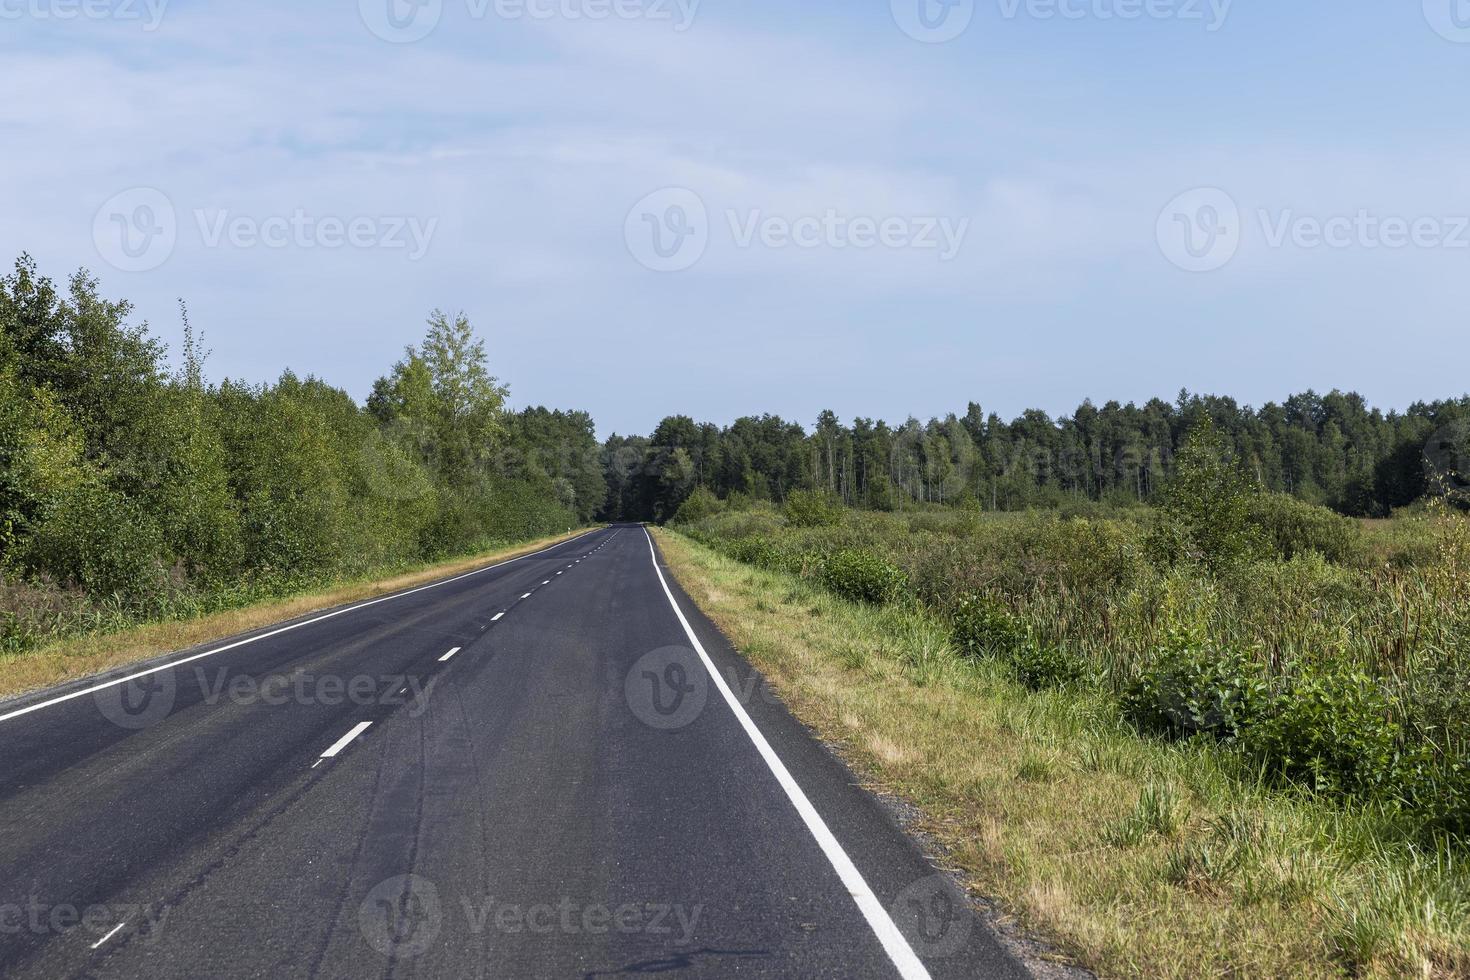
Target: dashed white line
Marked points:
496	617
547	582
83	692
346	740
526	596
451	653
114	932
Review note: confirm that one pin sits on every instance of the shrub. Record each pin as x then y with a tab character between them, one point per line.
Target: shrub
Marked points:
697	506
1334	732
804	508
862	576
1204	513
1041	667
1294	527
1190	692
98	541
983	627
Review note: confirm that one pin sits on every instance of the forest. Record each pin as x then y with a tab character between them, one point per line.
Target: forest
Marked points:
134	489
132	486
1332	450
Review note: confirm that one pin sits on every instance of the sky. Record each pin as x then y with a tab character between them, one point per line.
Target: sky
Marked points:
729	207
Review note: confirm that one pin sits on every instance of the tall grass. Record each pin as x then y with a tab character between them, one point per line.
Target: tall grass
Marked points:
1329	633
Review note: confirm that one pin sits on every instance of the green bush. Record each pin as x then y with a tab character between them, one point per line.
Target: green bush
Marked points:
1189	692
982	627
862	576
1041	667
1294	527
98	541
1334	732
697	506
804	508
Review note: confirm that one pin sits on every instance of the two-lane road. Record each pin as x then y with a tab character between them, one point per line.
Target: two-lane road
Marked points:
552	767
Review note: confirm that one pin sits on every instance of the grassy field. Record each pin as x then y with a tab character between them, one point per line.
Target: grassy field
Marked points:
71	657
1138	855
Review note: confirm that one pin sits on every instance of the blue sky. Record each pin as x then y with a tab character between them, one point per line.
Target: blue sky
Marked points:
1247	198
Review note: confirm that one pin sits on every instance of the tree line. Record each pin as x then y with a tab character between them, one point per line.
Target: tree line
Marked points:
1329	449
129	483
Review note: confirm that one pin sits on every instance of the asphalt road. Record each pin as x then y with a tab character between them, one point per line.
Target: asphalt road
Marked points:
534	770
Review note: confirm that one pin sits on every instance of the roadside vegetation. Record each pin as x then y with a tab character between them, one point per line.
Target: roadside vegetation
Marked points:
134	490
1228	734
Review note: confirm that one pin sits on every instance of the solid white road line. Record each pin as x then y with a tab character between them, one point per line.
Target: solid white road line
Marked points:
276	632
346	740
110	934
894	944
496	617
449	654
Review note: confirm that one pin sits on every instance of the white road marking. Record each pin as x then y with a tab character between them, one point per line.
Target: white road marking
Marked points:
894	944
346	740
265	636
496	617
109	935
449	654
547	582
526	596
561	573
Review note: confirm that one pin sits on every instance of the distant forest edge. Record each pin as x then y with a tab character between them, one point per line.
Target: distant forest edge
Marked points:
1329	449
130	487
